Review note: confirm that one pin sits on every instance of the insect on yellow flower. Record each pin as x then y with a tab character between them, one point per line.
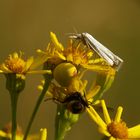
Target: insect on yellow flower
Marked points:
75	53
87	39
68	66
115	129
67	62
74	97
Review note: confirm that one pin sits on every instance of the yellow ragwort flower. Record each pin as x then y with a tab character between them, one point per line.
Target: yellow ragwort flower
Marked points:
115	129
76	58
16	64
76	53
54	51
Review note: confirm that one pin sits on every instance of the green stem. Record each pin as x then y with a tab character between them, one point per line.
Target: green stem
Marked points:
57	117
61	132
63	122
15	84
59	124
41	97
14	99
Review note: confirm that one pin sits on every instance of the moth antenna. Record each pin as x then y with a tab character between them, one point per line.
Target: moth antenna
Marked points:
75	30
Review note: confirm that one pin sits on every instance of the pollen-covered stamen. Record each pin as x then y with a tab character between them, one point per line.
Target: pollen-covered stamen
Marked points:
77	54
118	130
15	64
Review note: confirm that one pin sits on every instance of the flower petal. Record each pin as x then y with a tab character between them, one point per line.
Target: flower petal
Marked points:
2	134
105	112
93	91
15	55
112	138
98	68
43	134
4	69
55	41
94	115
39	60
118	114
134	132
40	72
28	64
103	131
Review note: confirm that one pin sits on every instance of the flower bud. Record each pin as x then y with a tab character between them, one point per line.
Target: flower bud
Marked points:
64	72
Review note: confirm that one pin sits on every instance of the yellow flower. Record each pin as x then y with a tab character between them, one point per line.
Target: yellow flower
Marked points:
43	134
16	64
54	51
76	58
115	129
78	54
59	93
68	81
6	132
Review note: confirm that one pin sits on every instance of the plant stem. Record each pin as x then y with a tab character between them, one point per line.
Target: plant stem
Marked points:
57	117
59	123
63	122
15	83
41	97
14	99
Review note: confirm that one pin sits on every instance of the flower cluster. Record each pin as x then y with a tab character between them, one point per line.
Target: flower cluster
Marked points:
65	83
113	128
69	65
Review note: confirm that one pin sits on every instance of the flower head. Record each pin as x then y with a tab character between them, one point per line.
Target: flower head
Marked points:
16	64
68	62
113	128
76	53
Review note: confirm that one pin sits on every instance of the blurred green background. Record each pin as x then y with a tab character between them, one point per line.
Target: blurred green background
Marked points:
25	25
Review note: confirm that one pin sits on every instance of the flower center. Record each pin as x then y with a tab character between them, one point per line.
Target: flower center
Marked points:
77	54
16	65
118	130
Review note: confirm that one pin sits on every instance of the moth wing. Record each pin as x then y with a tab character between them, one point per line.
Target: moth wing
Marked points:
102	51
